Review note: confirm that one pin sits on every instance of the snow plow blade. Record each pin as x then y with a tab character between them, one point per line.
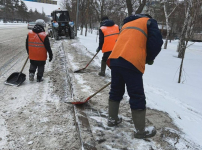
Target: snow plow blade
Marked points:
83	102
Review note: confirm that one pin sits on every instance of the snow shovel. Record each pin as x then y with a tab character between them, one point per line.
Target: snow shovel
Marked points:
76	103
77	71
17	78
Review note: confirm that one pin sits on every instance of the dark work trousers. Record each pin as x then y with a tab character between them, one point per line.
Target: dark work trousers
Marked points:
33	68
134	83
106	56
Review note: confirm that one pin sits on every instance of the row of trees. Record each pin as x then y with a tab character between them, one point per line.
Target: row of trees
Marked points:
169	13
178	18
16	10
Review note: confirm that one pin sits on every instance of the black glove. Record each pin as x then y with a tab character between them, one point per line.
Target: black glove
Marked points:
50	59
97	50
149	62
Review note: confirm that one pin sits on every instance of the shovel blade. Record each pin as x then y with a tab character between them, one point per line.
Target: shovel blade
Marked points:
16	79
79	103
79	71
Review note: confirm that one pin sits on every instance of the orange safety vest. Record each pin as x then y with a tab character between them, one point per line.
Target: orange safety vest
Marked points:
37	50
132	42
110	35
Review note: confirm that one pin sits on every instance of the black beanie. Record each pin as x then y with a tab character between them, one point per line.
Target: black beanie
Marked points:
104	18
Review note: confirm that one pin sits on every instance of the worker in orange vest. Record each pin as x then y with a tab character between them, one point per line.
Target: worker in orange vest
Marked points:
138	43
37	45
108	34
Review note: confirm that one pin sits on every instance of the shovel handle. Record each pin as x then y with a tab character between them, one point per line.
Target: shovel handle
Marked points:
100	89
24	64
77	103
91	60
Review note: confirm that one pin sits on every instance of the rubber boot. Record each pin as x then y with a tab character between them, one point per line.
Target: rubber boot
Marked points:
31	76
39	78
139	122
113	111
103	68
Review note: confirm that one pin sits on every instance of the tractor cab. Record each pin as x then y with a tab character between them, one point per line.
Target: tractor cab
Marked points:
61	24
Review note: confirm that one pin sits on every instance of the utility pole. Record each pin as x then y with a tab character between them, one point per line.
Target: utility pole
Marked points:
77	15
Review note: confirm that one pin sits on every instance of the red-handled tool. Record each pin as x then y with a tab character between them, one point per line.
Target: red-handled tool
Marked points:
77	103
77	71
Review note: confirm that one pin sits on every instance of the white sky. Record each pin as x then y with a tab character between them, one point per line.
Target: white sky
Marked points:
48	8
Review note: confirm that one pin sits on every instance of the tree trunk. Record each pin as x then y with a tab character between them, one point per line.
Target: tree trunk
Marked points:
181	65
77	16
129	6
181	44
167	26
86	26
87	18
102	9
81	30
140	8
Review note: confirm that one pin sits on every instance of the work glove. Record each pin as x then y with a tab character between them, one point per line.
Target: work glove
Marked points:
149	62
50	59
97	50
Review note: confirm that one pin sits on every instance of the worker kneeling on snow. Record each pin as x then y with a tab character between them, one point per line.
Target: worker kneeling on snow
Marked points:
139	42
37	45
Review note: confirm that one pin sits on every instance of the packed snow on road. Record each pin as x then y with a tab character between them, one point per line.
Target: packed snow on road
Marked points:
38	115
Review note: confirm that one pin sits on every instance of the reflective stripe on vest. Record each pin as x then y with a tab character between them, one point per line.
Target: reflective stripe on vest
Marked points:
110	36
37	50
131	43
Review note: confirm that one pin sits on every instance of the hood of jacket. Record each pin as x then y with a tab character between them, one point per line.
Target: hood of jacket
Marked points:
134	17
38	29
107	23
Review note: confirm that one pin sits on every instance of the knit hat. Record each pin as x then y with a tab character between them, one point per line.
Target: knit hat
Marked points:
40	22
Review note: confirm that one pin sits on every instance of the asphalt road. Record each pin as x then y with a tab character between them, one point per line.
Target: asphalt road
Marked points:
12	45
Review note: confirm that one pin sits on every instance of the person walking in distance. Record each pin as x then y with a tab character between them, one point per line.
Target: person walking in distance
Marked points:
37	45
139	42
108	34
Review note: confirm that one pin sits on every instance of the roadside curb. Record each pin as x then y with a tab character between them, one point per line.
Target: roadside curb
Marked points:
83	127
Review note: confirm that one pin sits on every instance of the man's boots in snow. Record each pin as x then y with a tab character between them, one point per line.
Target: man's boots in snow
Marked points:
31	76
103	68
139	122
39	78
113	111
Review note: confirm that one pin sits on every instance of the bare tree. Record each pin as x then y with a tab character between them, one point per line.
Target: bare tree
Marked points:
193	7
139	4
142	3
87	17
130	7
166	3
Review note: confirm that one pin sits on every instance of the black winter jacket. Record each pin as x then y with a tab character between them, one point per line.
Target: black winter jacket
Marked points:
38	29
107	23
154	42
